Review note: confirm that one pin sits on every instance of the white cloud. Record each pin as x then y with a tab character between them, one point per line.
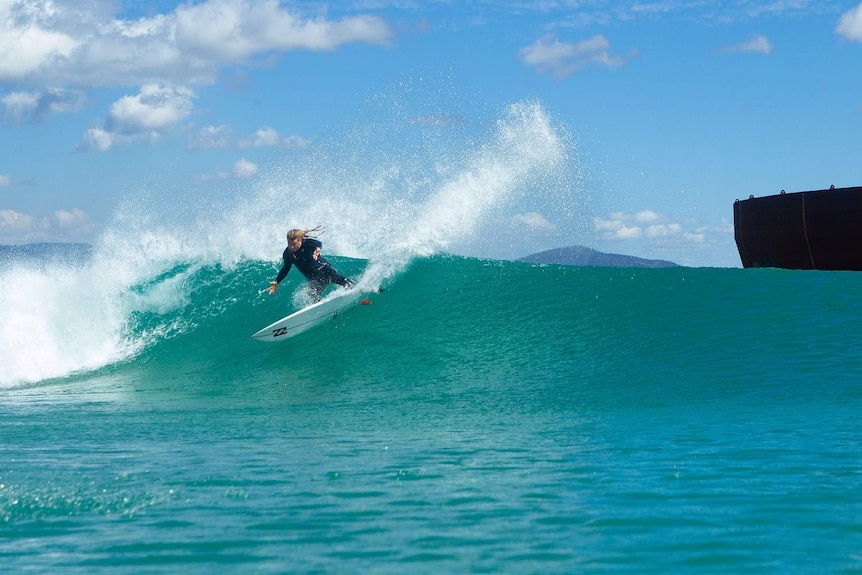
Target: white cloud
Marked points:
97	139
757	45
222	137
67	47
27	42
69	44
266	137
549	55
73	219
155	109
663	230
269	137
534	222
19	105
233	30
148	115
14	223
726	227
850	24
34	106
645	224
5	180
295	142
242	168
67	225
211	138
647	217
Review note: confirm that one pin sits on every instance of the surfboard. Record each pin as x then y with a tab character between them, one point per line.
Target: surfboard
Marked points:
308	317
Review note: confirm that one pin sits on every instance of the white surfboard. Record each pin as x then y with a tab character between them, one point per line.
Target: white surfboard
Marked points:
308	317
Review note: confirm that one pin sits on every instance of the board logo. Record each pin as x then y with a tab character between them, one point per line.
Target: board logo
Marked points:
279	332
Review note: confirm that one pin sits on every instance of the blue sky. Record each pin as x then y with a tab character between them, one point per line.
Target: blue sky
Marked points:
671	109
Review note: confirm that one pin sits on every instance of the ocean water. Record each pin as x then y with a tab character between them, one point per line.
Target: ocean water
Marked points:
479	416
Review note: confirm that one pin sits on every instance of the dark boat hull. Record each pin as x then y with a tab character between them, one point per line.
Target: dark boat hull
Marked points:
820	230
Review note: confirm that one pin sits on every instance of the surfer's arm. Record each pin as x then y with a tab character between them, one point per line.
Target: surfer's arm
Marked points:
273	286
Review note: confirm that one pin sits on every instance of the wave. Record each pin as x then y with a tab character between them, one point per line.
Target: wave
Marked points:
452	326
154	275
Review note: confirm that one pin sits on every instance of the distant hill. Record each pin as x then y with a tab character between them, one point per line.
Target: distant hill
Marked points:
583	256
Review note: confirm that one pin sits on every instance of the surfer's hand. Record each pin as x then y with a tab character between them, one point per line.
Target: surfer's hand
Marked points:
273	287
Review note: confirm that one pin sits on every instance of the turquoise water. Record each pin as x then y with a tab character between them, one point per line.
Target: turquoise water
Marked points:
479	416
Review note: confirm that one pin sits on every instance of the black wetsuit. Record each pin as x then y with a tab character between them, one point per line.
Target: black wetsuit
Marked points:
318	272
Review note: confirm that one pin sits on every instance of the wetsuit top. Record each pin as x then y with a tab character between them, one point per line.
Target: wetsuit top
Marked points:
314	270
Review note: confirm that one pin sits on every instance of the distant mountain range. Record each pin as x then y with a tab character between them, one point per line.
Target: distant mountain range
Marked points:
583	256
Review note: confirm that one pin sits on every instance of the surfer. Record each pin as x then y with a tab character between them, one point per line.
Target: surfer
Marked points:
303	251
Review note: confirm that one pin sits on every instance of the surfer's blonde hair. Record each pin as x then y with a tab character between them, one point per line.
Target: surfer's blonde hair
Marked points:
302	234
